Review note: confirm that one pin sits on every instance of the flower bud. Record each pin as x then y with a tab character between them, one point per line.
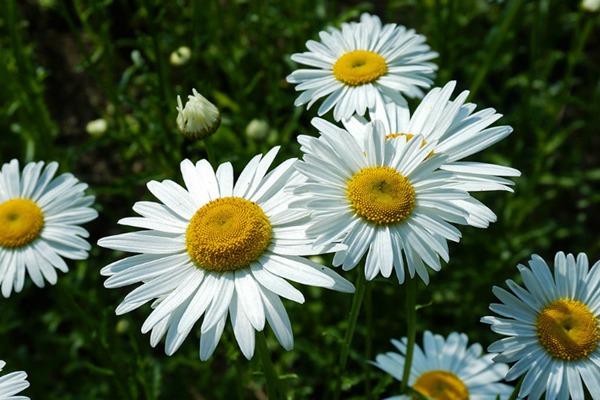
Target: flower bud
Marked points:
96	127
257	129
180	56
199	118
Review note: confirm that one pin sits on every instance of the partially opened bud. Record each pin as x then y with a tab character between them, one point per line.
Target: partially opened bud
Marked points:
199	118
180	56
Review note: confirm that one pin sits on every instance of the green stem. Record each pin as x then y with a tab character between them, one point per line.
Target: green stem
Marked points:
210	154
515	393
41	132
411	323
509	17
271	379
579	40
369	341
352	318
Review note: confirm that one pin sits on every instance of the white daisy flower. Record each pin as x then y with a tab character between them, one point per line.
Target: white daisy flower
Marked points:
383	198
459	133
39	223
552	327
447	369
13	383
362	61
217	249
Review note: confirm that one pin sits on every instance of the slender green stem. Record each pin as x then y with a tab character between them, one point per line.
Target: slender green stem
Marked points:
271	379
357	300
411	326
499	37
209	151
580	38
515	393
41	132
368	341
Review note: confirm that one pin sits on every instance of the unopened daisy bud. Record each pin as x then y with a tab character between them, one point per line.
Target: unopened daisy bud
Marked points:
257	129
199	118
590	5
96	127
180	56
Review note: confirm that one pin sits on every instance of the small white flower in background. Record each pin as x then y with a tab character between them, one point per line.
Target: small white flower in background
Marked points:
590	5
552	324
387	199
96	127
361	62
459	132
39	223
447	369
181	56
219	249
257	129
13	383
199	118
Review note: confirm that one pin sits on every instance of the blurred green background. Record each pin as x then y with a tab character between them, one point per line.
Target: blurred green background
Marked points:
66	63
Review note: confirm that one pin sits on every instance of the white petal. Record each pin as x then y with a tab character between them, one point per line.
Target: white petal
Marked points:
249	296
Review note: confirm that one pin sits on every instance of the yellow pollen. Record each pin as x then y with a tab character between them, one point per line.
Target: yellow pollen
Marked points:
21	222
408	137
359	67
441	385
567	329
381	195
227	234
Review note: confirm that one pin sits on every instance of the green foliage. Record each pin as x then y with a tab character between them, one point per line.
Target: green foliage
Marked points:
64	63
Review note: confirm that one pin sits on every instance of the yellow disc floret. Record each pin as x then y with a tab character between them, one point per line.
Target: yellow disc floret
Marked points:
359	67
567	329
381	195
21	222
441	385
227	234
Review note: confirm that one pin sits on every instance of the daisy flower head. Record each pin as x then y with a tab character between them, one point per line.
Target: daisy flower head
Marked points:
216	249
386	198
552	328
354	65
458	131
447	369
13	383
39	223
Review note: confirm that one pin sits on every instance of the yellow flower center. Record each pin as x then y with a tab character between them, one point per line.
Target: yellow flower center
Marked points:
567	329
408	137
227	234
381	195
21	222
441	385
359	67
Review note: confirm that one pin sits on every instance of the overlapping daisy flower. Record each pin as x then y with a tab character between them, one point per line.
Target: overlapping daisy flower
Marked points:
458	131
216	249
447	369
12	383
39	223
552	327
364	60
386	198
